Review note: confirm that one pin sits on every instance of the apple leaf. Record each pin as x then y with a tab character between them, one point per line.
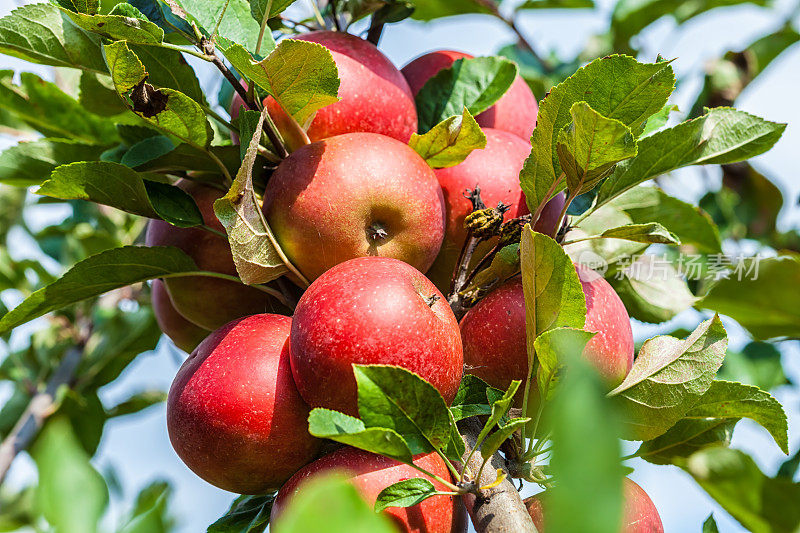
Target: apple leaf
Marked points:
30	163
187	157
301	75
131	26
147	150
723	135
258	8
616	87
553	348
500	408
659	120
90	7
762	305
330	503
686	437
62	45
475	84
669	376
474	398
433	9
405	493
760	503
556	4
256	252
166	14
118	186
108	270
450	141
650	233
652	289
710	525
392	397
169	110
333	425
590	146
492	443
137	402
757	364
247	514
586	454
168	69
231	19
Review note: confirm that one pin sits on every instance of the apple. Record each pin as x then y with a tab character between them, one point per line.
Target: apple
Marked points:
234	414
191	295
639	514
185	334
374	95
370	474
355	195
515	112
493	333
372	310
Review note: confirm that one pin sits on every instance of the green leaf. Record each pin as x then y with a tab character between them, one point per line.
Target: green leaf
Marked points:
649	233
790	467
147	150
96	92
247	514
90	7
493	442
168	69
58	41
53	113
710	525
723	135
405	493
232	19
556	4
586	454
450	141
686	437
120	187
258	8
256	252
553	348
760	503
71	494
669	376
187	157
475	84
169	110
766	305
659	120
394	398
472	398
433	9
333	425
590	146
101	273
758	364
617	87
167	15
137	402
119	27
150	514
500	408
331	504
302	76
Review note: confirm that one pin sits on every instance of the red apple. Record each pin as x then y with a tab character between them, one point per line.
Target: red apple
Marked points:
191	295
374	95
515	112
370	474
493	333
372	310
234	414
185	334
355	195
639	514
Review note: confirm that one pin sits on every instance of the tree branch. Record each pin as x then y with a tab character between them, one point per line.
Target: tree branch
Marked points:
497	510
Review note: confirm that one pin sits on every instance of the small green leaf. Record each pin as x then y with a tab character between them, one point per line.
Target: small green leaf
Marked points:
30	163
406	493
471	398
258	8
247	514
90	7
394	398
553	348
659	120
500	408
668	378
150	514
147	150
710	525
168	69
167	15
137	402
650	233
450	141
119	27
475	84
231	19
556	4
686	437
493	442
333	425
758	364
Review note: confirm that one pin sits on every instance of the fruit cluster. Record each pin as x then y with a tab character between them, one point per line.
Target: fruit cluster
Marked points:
379	234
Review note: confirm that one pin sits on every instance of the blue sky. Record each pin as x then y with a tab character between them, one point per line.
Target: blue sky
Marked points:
138	449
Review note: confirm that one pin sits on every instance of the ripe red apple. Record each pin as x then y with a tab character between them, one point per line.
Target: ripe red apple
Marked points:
515	112
372	310
355	195
185	334
206	301
374	95
370	474
234	414
493	333
639	514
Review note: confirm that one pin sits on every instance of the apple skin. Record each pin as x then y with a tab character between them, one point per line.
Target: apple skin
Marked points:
639	515
234	414
191	295
370	474
372	310
515	112
374	95
185	334
493	333
324	201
